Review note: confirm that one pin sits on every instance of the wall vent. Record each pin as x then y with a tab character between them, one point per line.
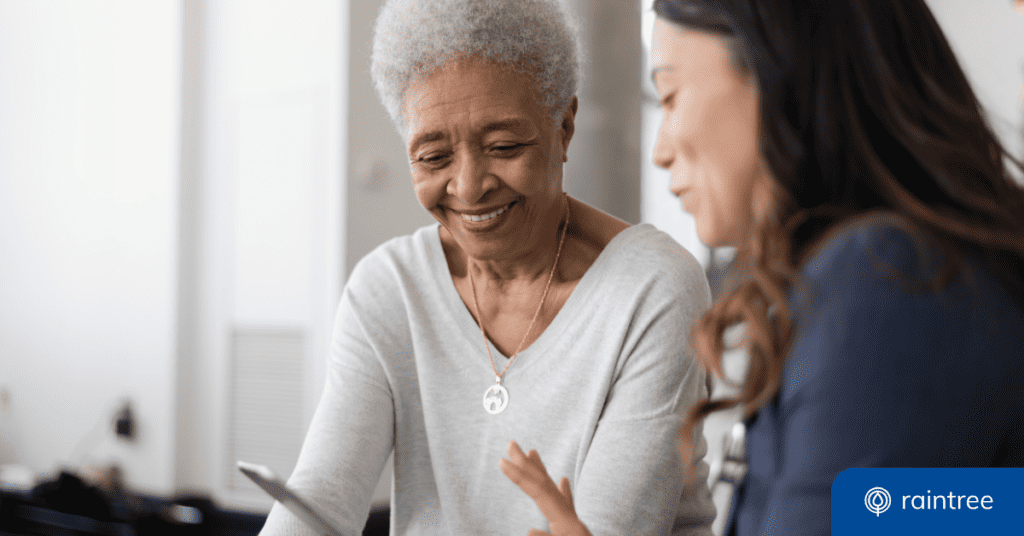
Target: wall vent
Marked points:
266	425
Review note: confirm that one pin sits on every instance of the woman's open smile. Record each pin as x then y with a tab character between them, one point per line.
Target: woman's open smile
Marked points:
485	217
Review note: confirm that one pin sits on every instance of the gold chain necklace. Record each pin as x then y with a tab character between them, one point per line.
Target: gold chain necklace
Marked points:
496	396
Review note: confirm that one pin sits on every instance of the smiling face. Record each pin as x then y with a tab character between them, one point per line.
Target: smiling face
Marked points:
709	137
486	158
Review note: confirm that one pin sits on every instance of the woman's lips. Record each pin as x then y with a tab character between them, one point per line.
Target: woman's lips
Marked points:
485	217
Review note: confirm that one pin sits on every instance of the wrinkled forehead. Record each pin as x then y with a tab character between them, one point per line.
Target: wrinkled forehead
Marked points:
472	97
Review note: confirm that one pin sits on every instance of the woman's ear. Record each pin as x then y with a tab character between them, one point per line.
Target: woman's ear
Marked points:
568	127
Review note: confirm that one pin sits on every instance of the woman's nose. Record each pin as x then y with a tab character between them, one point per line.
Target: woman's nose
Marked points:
662	156
471	179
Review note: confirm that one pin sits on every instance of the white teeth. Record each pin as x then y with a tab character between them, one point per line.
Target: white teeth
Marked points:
484	217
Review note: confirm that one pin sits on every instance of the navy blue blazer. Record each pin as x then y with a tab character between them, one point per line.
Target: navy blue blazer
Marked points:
882	375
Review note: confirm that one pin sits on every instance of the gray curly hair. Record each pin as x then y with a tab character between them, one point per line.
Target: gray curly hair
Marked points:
538	38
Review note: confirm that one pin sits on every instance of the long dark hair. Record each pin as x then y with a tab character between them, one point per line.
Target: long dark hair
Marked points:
864	111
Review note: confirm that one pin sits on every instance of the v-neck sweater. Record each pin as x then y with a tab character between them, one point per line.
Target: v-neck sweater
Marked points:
600	394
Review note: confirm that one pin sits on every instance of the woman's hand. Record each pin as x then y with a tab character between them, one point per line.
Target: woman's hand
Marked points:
528	472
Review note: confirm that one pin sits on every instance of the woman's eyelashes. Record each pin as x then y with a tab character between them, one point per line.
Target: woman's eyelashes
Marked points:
654	99
433	160
440	159
506	150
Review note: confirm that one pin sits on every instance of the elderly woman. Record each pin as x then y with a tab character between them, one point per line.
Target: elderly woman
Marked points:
522	316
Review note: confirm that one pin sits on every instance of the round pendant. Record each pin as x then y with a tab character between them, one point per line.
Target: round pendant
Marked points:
495	399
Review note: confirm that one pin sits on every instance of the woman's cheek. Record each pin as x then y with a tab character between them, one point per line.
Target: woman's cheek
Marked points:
427	190
718	216
709	222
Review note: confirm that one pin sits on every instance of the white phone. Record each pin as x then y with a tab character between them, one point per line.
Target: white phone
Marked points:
272	484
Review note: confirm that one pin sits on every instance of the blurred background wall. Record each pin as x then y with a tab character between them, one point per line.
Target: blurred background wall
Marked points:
89	137
184	185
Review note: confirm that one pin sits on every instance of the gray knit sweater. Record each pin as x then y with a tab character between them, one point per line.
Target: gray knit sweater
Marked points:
600	395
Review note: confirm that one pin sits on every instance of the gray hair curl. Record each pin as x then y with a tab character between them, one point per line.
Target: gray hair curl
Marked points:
538	38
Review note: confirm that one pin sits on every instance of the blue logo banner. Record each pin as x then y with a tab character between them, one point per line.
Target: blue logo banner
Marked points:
928	501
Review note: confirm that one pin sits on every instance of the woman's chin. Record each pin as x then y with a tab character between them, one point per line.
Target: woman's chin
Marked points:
488	244
711	237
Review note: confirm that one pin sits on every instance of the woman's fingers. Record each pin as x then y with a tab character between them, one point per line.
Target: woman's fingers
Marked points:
563	487
527	471
533	456
518	476
515	453
532	459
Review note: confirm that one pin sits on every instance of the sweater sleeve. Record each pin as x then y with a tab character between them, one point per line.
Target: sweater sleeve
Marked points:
350	436
632	480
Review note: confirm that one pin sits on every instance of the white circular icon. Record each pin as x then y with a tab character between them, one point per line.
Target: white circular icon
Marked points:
877	500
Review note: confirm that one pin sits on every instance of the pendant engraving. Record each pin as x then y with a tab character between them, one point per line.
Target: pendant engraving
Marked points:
495	399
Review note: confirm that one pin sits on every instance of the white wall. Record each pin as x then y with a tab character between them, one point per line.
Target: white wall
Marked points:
380	203
988	38
263	151
109	286
605	155
88	168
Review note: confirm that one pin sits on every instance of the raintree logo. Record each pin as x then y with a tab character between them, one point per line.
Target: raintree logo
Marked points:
877	500
926	500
